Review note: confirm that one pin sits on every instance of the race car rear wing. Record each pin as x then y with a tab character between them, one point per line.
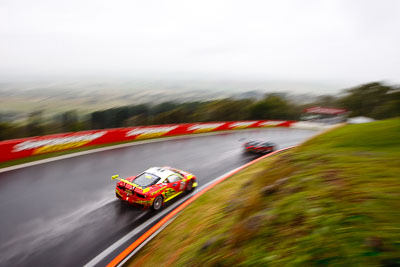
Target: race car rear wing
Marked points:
116	177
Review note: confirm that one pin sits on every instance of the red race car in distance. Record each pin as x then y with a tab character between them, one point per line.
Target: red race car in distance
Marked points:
259	147
153	187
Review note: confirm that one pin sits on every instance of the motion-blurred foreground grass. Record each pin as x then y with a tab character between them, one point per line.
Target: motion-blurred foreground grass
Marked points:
335	200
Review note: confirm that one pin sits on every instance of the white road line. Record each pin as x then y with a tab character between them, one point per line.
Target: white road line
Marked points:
147	241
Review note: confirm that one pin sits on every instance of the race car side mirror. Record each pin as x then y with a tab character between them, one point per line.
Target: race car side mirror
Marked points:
114	177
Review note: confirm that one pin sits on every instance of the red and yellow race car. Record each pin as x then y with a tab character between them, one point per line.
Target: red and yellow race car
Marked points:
153	187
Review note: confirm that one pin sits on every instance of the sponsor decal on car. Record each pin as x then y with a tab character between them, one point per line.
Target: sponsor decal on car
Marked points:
142	202
202	128
168	193
59	143
242	124
150	132
155	192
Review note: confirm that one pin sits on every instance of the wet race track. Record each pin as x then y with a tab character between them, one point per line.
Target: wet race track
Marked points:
64	213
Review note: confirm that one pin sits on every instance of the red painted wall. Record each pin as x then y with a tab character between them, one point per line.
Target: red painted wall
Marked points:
21	148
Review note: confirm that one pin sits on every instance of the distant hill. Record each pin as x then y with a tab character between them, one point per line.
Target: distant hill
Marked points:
17	98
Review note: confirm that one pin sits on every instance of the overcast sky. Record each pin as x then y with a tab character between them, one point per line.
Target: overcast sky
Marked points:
338	41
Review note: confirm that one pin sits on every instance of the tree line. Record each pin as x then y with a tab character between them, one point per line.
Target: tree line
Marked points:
376	100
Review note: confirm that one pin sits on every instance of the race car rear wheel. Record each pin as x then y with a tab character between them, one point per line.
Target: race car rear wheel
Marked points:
157	203
190	186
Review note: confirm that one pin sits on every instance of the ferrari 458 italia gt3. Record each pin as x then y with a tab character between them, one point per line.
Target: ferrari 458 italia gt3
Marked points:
153	187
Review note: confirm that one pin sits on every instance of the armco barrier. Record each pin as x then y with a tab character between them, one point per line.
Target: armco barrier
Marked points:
21	148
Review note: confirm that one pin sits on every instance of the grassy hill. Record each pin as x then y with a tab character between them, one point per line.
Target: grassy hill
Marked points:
334	201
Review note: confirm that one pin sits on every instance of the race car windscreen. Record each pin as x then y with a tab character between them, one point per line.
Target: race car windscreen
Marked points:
268	144
146	179
251	143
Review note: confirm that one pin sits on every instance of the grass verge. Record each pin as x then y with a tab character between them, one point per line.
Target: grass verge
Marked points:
334	200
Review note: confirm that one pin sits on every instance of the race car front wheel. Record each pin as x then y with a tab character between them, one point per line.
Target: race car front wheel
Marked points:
157	203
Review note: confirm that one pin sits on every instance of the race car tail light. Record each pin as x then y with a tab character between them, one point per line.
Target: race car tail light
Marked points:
120	186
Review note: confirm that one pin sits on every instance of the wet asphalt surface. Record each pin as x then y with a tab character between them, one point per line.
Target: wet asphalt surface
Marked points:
64	213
